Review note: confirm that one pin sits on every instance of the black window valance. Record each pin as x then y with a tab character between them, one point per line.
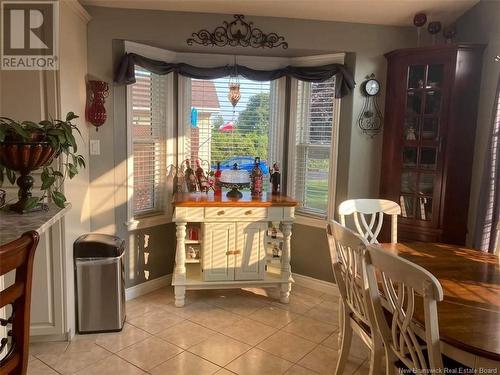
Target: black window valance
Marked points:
344	81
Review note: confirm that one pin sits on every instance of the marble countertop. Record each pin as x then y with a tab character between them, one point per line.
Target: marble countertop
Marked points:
13	225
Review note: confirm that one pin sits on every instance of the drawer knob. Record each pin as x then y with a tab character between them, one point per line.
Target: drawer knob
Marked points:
221	212
230	252
249	212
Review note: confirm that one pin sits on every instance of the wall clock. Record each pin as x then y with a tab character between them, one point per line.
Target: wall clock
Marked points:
370	118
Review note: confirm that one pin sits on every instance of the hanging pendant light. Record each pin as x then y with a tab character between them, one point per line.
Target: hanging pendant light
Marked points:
234	94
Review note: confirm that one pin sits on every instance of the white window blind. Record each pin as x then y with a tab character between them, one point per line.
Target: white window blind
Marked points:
148	112
215	132
314	123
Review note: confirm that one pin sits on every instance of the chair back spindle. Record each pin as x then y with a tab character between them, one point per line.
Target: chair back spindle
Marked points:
347	252
402	282
17	255
368	216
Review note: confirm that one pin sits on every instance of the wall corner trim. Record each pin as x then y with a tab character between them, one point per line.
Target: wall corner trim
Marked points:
78	9
147	287
316	284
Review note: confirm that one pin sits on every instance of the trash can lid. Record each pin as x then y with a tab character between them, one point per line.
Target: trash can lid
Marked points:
98	245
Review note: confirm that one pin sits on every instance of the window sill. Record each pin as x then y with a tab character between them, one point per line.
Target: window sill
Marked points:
147	222
310	221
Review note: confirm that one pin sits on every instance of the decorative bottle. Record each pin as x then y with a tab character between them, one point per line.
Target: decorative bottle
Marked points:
190	178
203	184
217	175
256	179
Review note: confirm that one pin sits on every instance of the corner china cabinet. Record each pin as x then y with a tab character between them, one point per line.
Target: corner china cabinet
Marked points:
429	131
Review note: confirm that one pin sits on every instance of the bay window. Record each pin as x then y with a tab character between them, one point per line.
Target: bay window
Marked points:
286	120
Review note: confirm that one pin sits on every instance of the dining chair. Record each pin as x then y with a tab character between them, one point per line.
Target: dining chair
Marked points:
17	255
347	251
408	346
373	210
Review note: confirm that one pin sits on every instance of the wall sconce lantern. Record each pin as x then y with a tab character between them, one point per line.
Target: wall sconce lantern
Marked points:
95	112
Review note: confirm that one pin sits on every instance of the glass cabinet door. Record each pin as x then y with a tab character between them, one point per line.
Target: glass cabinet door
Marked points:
420	152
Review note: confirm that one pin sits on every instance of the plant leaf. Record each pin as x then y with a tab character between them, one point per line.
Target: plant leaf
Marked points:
47	182
11	176
71	116
58	198
18	129
72	170
31	203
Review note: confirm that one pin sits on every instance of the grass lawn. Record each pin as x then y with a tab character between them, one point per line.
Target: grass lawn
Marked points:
316	194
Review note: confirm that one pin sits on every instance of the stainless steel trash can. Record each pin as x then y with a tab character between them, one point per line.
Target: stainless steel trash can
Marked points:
99	283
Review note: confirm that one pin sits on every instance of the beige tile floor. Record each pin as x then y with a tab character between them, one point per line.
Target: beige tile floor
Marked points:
218	332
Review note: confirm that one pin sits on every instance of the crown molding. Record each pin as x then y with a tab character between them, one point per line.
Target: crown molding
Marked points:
78	9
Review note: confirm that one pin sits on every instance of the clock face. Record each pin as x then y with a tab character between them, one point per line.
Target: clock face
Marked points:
372	87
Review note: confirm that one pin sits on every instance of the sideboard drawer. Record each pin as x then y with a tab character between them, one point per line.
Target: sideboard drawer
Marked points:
235	212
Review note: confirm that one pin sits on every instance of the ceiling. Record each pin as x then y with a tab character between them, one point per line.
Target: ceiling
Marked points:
381	12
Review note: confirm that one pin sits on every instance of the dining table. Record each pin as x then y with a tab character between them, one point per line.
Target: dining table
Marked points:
469	315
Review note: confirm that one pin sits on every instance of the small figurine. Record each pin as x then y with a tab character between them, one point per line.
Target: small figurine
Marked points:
275	178
276	251
191	253
190	178
203	184
410	134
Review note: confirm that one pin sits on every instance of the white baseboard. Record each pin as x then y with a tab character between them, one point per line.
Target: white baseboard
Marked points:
316	284
147	287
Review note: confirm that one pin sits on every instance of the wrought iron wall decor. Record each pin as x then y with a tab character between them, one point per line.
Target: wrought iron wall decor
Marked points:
370	118
237	33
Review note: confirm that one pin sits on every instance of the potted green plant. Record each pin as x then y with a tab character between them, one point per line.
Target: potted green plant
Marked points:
27	146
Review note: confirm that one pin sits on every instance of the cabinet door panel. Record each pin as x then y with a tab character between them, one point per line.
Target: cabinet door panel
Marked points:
250	256
218	240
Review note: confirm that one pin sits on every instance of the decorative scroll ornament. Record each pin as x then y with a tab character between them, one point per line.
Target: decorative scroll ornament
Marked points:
237	33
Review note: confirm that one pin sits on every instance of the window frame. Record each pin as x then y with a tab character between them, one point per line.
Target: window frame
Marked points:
164	214
275	149
306	218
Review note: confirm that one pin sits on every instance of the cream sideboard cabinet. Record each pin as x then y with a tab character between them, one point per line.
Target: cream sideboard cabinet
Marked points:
234	242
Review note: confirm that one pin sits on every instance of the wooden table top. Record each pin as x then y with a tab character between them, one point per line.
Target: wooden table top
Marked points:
209	199
469	316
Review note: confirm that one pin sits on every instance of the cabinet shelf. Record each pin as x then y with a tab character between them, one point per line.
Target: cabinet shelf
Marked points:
192	242
194	280
192	261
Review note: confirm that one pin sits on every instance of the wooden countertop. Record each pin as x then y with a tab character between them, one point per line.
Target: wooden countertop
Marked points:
13	225
469	315
210	200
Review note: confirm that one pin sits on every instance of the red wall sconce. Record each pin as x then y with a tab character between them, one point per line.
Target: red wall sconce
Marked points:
95	112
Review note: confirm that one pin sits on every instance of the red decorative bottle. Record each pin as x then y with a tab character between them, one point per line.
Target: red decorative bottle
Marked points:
217	175
256	179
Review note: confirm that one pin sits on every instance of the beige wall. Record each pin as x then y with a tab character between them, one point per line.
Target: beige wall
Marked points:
481	25
360	157
38	95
